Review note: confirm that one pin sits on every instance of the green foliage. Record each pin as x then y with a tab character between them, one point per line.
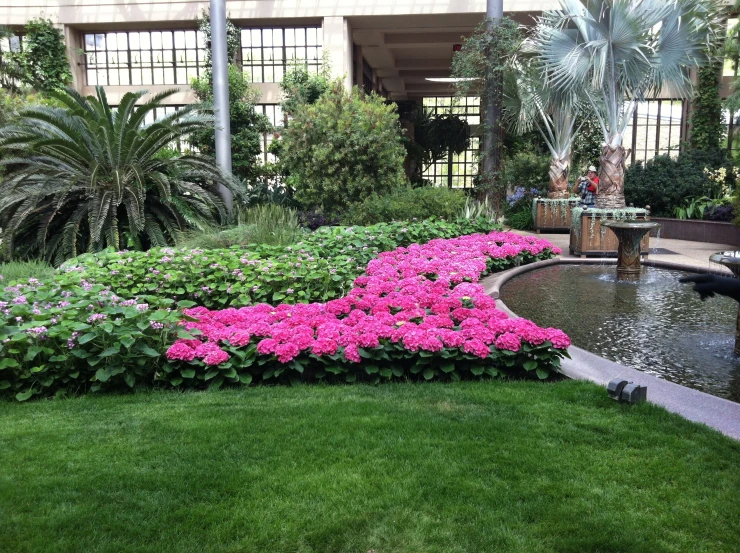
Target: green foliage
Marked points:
478	209
81	338
20	271
707	120
233	40
408	204
83	177
42	63
321	267
303	88
664	183
521	219
435	138
587	144
247	126
272	224
527	171
342	149
269	224
479	67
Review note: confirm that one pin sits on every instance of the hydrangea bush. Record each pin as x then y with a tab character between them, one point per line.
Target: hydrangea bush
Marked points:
57	340
416	312
319	268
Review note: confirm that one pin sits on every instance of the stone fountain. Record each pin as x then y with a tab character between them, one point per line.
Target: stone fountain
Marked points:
629	234
731	260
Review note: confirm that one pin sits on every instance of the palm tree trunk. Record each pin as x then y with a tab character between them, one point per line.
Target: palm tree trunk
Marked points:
559	179
610	194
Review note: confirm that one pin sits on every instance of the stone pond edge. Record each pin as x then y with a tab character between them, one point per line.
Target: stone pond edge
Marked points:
717	413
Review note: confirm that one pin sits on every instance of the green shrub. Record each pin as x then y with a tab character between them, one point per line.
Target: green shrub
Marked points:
58	339
342	149
524	170
664	183
20	271
521	220
408	204
321	267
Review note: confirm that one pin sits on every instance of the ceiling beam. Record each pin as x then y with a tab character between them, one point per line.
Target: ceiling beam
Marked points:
414	63
422	39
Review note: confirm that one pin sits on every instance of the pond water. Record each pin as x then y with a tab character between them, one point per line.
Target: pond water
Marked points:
656	325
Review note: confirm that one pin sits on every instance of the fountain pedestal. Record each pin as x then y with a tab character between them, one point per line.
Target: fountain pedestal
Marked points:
629	234
731	260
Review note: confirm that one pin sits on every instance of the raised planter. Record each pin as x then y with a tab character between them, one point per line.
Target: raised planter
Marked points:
589	238
698	231
553	215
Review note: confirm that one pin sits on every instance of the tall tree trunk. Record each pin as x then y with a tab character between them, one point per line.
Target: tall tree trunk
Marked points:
493	102
559	179
610	194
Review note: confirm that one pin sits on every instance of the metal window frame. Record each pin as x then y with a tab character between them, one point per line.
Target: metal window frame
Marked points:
443	173
648	152
313	66
151	66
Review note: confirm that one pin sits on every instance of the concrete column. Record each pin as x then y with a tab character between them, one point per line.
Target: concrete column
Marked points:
338	45
73	40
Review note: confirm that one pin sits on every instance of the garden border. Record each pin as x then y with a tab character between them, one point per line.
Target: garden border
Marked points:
718	413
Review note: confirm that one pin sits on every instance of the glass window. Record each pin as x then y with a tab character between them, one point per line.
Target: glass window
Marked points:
275	115
655	129
143	57
267	53
462	168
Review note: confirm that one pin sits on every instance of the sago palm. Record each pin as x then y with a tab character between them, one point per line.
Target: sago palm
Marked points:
621	52
83	177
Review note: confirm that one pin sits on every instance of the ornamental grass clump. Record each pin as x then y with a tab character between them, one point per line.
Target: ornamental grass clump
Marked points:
417	312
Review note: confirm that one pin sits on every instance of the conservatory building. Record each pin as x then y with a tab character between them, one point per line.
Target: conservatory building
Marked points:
400	49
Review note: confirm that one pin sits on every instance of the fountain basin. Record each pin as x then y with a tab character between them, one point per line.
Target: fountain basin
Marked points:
655	325
629	234
731	260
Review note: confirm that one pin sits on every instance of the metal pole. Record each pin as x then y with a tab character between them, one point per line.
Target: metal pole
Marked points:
220	57
492	138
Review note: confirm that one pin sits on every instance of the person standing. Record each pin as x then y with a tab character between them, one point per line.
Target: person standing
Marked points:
587	188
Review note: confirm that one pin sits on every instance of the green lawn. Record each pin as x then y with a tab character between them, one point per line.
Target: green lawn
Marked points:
469	467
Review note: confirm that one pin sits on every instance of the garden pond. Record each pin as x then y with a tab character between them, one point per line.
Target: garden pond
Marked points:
656	324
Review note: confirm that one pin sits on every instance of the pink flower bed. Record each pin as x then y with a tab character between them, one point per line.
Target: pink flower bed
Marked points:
419	306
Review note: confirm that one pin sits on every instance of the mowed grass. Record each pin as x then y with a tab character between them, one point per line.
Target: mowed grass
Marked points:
416	468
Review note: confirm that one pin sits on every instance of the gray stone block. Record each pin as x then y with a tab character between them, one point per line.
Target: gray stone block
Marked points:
634	393
615	387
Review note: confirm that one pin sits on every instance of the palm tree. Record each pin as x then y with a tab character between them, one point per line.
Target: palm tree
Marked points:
529	103
83	177
622	51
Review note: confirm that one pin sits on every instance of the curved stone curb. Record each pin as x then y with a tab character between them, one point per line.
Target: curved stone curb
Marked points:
718	413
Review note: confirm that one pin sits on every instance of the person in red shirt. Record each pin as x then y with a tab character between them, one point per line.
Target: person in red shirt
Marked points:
587	187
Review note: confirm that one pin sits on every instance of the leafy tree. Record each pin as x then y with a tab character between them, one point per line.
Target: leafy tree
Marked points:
342	149
83	177
42	62
247	126
620	52
479	67
301	87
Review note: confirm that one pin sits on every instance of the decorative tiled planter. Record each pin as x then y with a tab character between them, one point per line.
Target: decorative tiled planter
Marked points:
589	238
553	215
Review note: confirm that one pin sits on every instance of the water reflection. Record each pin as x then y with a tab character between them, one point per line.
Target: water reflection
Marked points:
656	325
